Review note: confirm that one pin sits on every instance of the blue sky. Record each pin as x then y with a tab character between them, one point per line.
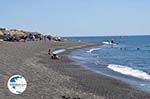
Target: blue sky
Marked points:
77	17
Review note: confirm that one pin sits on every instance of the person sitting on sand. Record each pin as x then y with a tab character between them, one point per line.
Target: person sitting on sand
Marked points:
49	52
54	56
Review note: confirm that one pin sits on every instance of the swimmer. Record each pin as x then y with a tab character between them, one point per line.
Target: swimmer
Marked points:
138	48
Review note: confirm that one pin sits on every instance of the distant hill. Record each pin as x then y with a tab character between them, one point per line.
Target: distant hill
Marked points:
13	32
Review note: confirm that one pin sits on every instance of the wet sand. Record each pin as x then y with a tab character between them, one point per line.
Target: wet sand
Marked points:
57	79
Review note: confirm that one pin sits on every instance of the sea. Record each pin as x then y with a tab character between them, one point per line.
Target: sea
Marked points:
127	60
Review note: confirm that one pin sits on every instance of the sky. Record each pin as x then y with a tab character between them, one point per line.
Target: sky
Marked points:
77	17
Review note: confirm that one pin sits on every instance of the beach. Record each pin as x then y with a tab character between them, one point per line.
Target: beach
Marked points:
57	79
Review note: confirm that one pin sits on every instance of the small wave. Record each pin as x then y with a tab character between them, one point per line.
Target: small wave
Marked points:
93	49
142	84
79	58
74	47
108	43
129	71
59	51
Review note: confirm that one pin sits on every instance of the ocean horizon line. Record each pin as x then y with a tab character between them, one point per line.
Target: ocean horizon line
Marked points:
107	36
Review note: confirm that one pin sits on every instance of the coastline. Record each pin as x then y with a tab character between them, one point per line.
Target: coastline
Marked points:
53	79
102	85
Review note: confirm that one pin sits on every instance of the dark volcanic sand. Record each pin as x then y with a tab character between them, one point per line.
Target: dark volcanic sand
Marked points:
56	79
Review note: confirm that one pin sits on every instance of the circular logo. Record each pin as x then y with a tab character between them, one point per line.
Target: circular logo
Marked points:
17	84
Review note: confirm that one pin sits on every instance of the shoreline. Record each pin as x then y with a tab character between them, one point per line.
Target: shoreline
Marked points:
56	79
118	83
85	65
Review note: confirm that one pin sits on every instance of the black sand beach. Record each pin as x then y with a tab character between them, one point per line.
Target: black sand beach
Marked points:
57	79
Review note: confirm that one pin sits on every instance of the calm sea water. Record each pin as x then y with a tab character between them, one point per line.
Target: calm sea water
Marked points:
128	60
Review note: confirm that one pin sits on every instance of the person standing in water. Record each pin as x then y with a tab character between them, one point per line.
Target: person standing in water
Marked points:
112	42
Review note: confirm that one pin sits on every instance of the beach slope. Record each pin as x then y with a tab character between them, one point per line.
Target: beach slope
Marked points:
57	79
